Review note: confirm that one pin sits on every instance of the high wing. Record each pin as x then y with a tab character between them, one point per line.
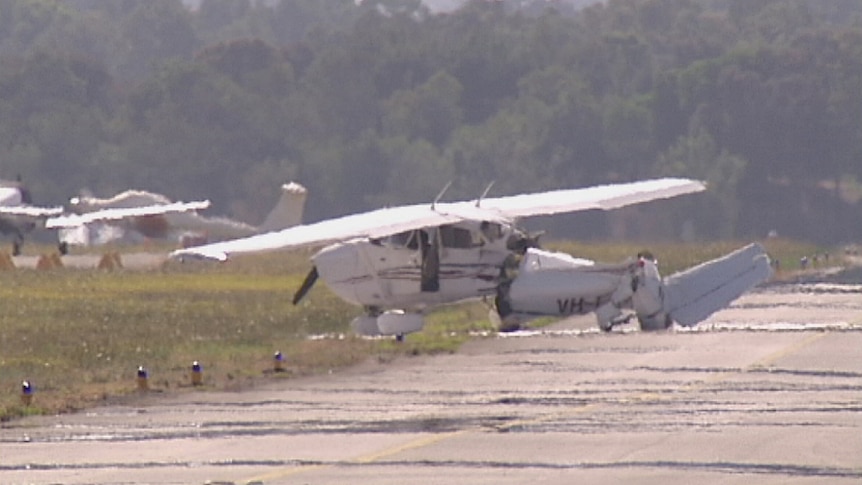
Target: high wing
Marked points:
116	214
377	223
603	197
385	222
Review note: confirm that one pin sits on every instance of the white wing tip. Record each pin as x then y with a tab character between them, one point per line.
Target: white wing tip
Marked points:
294	187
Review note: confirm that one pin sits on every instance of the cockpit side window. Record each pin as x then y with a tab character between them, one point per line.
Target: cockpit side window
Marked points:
457	237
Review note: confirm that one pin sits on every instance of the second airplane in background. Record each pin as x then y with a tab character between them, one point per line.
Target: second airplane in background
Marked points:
136	214
18	215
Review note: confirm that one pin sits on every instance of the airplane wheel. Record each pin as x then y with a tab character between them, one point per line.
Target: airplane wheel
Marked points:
399	337
16	249
506	327
63	248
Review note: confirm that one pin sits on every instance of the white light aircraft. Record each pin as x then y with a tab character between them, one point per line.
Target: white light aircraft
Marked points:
154	216
398	262
18	217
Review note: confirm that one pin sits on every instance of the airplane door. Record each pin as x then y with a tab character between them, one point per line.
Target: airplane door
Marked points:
430	245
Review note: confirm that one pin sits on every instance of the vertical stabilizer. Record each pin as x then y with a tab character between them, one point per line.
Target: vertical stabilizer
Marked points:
288	211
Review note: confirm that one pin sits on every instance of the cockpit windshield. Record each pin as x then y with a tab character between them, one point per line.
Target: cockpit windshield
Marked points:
450	236
491	231
406	239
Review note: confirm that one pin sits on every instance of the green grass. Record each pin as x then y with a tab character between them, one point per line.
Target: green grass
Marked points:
79	335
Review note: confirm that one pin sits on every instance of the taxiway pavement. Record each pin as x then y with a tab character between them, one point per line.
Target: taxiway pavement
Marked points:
768	391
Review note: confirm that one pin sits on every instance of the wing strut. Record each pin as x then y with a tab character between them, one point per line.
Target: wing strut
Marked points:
437	199
484	193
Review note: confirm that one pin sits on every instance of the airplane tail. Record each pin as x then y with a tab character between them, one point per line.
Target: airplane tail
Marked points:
289	209
692	295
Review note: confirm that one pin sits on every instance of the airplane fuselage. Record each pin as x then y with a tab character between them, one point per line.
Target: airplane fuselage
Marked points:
555	284
154	226
418	269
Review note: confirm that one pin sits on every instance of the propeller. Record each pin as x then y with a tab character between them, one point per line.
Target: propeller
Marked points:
521	242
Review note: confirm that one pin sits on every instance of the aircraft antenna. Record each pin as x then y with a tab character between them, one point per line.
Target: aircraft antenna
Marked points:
437	199
484	193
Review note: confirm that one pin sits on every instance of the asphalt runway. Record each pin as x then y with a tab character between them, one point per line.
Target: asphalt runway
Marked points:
768	391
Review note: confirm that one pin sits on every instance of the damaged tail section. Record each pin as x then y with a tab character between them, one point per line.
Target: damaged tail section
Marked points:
692	295
554	284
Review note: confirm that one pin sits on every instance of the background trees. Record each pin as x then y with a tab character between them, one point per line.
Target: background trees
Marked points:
384	102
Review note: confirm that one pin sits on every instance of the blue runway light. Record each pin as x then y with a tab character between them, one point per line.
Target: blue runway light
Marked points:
26	393
278	362
197	374
143	377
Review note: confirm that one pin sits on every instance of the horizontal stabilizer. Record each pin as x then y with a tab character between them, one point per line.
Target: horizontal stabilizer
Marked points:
693	295
119	213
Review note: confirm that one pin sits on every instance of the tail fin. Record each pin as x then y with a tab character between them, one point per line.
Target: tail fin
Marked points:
288	211
693	295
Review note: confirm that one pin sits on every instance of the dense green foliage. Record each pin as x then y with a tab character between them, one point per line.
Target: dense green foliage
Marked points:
384	102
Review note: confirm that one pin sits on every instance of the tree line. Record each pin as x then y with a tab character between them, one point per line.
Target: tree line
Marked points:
384	102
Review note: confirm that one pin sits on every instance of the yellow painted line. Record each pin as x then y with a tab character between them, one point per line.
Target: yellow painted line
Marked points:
420	442
412	445
771	358
760	364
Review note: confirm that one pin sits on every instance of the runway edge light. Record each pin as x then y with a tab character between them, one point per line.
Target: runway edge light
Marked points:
26	393
197	374
142	379
278	361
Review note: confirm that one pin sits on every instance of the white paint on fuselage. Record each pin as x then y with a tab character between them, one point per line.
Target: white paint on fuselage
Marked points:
388	273
550	283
